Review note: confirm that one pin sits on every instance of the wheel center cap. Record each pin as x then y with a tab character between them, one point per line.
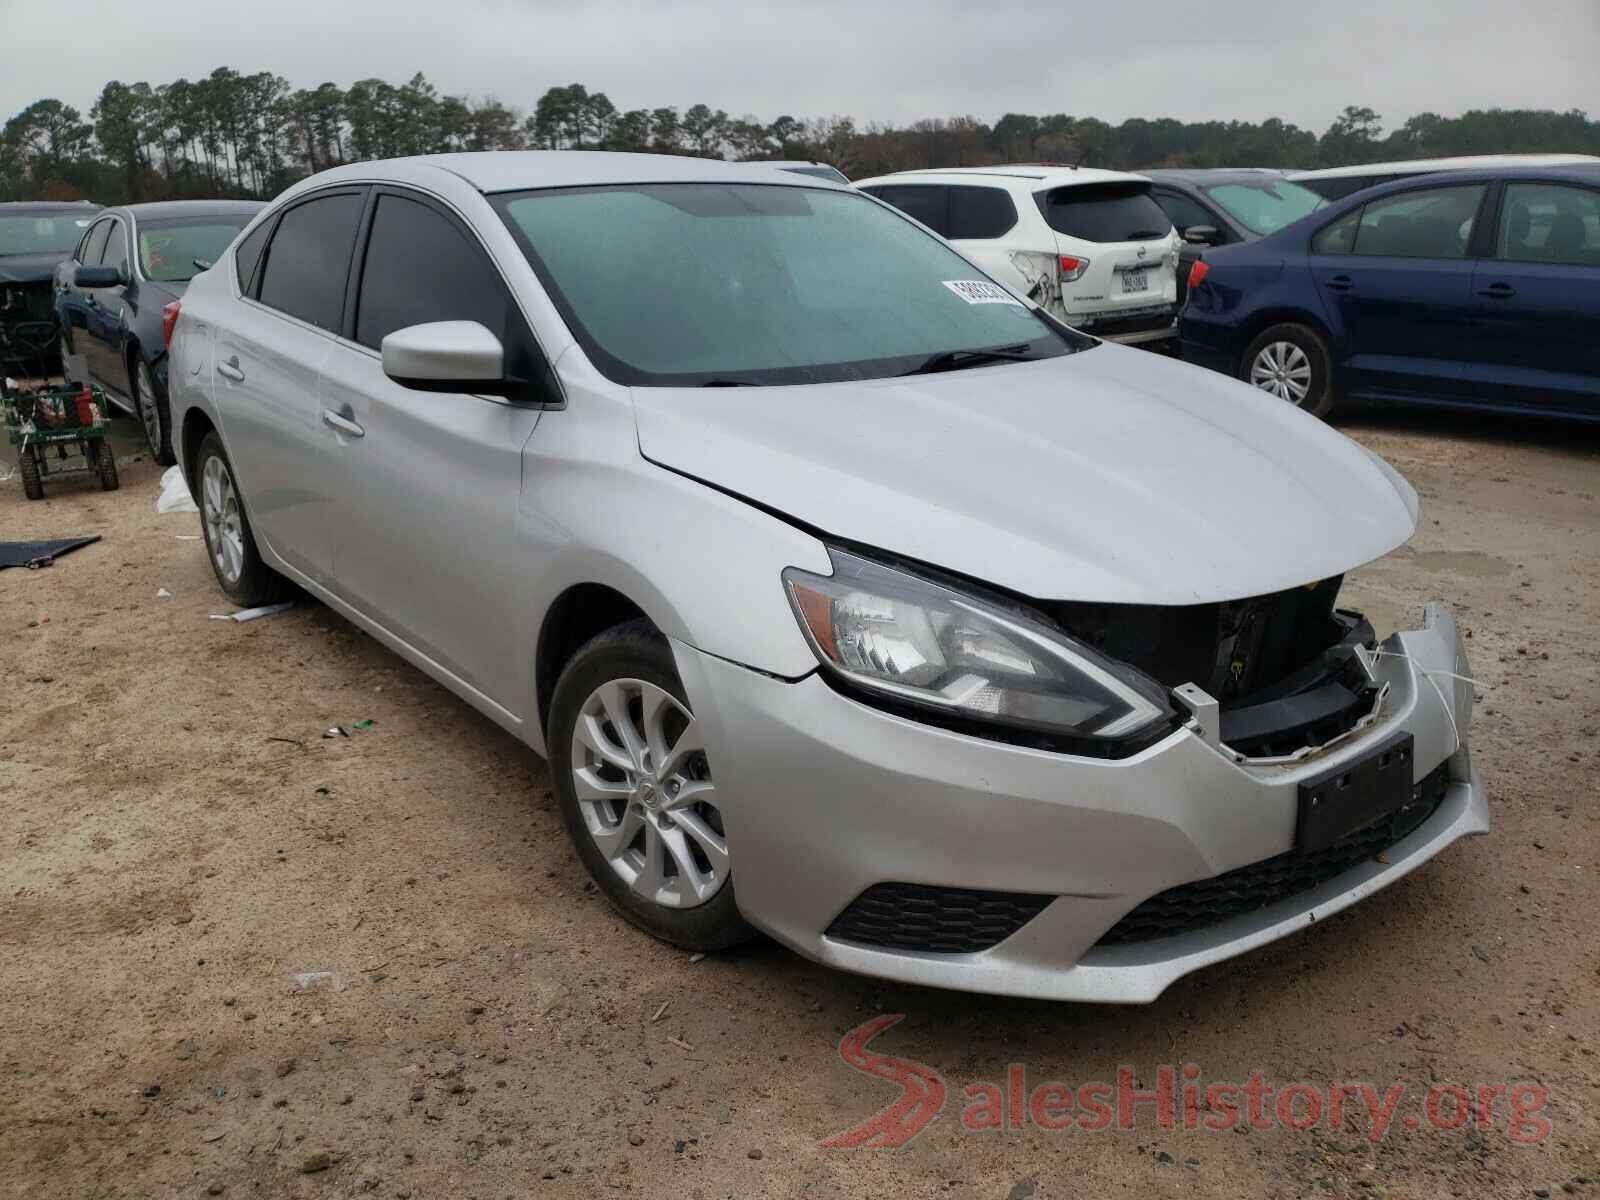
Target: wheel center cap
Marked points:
647	794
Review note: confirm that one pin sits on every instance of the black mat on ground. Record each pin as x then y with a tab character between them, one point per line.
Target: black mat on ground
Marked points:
39	554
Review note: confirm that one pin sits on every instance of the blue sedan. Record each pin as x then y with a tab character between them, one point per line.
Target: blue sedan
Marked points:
1468	289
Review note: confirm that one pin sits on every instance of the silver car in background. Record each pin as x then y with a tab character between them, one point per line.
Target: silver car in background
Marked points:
850	598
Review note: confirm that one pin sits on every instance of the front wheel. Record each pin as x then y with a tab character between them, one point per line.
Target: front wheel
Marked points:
636	791
32	477
235	561
1292	363
150	402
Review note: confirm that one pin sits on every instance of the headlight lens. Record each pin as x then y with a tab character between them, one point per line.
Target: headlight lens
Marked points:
904	636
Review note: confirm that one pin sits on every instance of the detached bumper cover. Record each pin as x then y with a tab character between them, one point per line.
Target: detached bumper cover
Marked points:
827	797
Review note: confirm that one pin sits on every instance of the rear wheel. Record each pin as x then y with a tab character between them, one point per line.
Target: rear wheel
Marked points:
636	790
150	402
1292	363
32	479
235	561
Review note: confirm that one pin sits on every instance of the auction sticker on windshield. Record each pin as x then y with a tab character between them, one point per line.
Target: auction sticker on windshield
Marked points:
981	291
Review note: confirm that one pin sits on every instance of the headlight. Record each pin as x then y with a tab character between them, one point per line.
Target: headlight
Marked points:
907	637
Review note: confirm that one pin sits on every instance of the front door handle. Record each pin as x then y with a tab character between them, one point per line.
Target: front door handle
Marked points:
230	370
344	422
1498	291
1341	283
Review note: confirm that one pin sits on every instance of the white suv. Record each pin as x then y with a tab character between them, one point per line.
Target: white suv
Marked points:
1091	247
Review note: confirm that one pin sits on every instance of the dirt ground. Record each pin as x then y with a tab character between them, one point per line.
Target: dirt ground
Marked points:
240	959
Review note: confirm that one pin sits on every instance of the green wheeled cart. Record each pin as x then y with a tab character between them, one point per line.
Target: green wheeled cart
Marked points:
57	422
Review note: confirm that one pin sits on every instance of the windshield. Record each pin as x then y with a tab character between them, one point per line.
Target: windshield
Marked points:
672	285
43	233
1266	206
171	250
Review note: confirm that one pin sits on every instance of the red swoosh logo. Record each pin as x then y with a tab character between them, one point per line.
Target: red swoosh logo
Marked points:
921	1090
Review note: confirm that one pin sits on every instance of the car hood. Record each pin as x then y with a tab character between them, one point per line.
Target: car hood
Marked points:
30	268
1111	475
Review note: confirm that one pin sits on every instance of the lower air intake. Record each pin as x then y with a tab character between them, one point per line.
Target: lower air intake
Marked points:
935	920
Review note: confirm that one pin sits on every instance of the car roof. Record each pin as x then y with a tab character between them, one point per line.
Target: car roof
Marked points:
1211	175
158	209
788	162
1422	166
490	171
23	208
1036	177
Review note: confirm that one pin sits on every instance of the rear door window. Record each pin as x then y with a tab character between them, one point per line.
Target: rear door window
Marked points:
421	268
248	256
1105	212
1549	223
1428	223
980	212
927	202
308	260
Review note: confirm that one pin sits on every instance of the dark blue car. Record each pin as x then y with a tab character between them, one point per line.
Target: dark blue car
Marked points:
1470	289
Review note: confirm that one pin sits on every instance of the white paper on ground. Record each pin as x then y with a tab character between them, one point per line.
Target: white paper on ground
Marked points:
175	493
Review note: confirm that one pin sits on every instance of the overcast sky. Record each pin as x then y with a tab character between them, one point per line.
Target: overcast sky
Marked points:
896	62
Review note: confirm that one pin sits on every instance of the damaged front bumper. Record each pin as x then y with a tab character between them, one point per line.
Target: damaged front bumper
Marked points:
850	819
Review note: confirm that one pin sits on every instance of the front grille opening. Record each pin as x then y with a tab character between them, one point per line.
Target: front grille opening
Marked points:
934	920
1282	666
1207	902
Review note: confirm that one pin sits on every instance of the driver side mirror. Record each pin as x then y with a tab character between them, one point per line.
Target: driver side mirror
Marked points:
448	356
1201	235
96	277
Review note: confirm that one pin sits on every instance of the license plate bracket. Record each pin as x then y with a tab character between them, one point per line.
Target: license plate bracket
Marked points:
1351	797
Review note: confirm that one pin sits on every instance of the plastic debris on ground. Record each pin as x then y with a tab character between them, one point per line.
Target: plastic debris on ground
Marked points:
250	614
367	724
175	494
338	731
163	594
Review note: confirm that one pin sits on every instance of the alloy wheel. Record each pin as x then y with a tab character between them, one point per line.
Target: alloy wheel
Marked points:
224	525
645	792
144	400
1284	370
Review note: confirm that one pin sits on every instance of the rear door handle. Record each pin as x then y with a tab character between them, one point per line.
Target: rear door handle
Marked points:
1341	283
343	422
230	370
1498	291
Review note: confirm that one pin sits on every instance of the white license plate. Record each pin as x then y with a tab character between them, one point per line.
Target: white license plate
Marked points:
1135	281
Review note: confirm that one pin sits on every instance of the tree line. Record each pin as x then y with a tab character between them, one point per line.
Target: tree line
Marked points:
232	134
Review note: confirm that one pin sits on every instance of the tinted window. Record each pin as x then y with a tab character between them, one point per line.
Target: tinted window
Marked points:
1431	223
691	284
176	249
248	256
308	259
980	212
927	202
1184	212
1105	212
421	268
96	244
1549	223
116	251
41	232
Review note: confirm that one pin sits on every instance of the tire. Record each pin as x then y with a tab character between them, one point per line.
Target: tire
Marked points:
632	666
151	407
105	463
1283	359
32	480
230	545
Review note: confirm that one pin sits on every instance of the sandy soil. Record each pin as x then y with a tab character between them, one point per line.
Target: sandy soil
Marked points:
238	958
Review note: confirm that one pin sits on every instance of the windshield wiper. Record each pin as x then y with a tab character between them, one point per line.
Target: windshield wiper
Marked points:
955	360
1145	235
727	383
202	263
